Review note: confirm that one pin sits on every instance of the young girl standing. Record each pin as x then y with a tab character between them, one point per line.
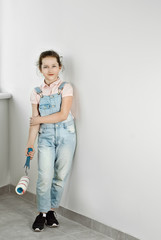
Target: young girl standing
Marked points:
53	121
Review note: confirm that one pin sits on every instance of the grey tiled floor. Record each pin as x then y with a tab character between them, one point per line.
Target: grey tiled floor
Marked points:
17	216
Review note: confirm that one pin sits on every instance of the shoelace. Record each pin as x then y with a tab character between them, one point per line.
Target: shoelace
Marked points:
40	218
55	214
51	213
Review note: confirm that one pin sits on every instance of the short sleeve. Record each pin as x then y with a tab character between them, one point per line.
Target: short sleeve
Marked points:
34	97
67	90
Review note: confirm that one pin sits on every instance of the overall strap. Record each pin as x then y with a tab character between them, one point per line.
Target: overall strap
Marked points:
60	88
38	91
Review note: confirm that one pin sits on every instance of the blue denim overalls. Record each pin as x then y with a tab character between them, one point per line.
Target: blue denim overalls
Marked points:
56	147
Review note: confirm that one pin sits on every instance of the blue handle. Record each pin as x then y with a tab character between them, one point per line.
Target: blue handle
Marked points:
27	163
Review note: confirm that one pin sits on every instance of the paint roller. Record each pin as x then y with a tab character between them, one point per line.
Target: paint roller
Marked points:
24	181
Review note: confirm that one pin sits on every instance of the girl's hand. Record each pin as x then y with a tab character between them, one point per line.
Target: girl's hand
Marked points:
34	120
31	154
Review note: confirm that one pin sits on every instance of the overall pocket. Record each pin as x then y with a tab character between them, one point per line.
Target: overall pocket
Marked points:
44	106
70	128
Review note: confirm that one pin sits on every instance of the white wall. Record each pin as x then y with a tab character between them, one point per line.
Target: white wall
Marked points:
1	16
4	143
112	55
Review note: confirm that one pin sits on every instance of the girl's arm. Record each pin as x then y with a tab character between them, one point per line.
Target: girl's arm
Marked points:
33	129
55	117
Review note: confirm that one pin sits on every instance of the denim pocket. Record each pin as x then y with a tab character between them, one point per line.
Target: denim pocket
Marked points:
44	106
70	128
41	131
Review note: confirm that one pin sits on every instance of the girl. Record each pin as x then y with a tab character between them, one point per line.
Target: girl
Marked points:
53	121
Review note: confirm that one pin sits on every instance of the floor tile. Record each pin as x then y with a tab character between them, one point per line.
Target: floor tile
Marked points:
17	216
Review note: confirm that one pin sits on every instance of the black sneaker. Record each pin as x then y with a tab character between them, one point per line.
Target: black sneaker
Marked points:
39	222
51	220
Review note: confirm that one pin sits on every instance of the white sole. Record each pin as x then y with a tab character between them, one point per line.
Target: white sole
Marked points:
38	230
52	226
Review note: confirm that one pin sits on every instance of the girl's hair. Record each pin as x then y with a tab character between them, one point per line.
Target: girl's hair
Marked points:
49	53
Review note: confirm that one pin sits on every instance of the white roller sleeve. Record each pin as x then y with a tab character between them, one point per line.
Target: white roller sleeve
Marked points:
22	185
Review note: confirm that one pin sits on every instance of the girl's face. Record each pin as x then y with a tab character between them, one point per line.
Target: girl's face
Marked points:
50	69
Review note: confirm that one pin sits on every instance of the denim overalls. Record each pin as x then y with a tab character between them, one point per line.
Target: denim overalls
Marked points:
56	147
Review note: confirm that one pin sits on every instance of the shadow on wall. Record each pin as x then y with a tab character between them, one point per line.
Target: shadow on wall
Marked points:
70	76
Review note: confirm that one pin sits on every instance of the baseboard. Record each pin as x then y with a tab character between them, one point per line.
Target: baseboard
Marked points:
95	225
88	222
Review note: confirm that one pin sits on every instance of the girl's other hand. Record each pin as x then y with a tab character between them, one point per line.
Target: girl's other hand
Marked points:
34	120
31	154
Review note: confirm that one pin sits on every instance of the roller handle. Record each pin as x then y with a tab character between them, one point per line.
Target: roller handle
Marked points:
27	163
